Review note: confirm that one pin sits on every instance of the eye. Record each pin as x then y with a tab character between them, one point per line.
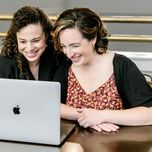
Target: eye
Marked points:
23	42
75	46
62	46
36	40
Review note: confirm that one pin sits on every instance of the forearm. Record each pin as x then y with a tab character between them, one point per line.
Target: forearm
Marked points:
68	112
130	117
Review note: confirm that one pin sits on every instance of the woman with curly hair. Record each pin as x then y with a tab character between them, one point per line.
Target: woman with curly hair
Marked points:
27	51
103	88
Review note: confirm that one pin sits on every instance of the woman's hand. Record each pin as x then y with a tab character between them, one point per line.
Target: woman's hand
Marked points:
89	117
107	127
92	118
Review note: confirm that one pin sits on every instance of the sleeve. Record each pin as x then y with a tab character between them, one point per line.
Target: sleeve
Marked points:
7	68
131	83
61	76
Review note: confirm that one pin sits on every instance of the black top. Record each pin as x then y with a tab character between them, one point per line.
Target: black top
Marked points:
130	82
48	65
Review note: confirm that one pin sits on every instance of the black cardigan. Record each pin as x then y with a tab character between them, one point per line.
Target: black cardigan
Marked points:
48	66
130	82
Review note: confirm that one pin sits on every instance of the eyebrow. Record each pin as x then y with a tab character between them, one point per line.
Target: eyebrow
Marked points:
72	44
39	37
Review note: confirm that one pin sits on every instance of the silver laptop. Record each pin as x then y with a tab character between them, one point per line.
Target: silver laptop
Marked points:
30	112
6	146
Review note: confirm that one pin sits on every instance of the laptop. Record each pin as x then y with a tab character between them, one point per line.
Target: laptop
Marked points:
7	146
30	112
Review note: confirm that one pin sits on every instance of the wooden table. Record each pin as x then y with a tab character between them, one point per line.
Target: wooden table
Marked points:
127	139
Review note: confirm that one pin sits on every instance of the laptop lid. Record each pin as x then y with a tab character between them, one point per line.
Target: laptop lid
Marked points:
30	111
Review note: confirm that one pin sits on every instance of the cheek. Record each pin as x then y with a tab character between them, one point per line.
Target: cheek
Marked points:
41	44
64	51
21	47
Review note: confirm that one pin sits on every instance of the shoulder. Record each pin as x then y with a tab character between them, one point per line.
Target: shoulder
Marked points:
63	67
6	61
62	60
8	67
121	58
121	61
53	58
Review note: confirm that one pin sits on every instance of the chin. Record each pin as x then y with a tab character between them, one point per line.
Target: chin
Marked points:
78	64
32	59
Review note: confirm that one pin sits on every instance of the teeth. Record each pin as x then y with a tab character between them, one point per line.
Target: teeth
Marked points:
75	59
31	53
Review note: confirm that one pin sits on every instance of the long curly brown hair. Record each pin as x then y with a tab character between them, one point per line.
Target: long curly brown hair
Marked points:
23	17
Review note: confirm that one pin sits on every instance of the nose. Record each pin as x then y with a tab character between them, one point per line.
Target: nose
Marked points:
29	46
69	53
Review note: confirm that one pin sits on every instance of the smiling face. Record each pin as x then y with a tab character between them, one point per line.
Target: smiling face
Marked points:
78	49
31	42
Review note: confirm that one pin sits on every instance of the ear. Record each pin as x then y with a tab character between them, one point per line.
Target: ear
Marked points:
94	41
46	36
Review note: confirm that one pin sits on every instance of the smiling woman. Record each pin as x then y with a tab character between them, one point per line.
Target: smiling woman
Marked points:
31	44
27	51
104	89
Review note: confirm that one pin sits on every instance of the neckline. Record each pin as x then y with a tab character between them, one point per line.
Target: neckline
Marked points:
84	91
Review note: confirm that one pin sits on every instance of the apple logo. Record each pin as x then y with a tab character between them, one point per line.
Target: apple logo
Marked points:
16	110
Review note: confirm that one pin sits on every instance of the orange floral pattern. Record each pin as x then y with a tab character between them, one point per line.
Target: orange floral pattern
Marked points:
105	97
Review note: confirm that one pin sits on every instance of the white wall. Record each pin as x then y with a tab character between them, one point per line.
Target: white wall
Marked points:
102	7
